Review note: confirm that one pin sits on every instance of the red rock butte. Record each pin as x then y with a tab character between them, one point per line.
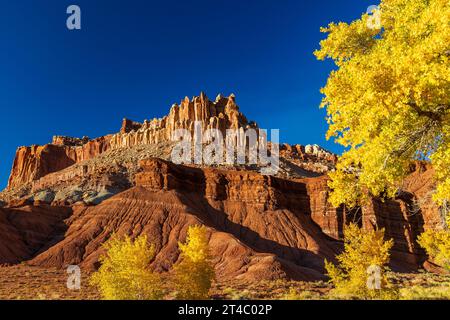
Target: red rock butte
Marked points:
66	198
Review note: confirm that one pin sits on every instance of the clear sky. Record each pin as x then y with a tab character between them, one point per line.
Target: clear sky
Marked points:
135	58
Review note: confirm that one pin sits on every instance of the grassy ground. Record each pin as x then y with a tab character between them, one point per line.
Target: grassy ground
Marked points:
31	283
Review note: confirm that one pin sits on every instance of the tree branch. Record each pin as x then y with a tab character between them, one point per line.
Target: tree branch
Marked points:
433	115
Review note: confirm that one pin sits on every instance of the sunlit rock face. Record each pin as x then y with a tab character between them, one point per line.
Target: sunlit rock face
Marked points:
35	162
32	163
81	190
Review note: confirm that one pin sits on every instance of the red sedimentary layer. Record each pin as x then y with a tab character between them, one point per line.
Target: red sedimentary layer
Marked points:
32	163
35	162
260	227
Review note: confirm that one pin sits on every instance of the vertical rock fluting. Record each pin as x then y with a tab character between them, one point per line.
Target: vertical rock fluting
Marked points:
35	162
32	163
221	114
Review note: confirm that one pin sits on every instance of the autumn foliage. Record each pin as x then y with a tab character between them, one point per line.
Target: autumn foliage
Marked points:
361	269
388	102
124	273
437	245
195	273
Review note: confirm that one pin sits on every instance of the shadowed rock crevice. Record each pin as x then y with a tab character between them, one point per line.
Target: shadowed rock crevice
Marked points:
30	230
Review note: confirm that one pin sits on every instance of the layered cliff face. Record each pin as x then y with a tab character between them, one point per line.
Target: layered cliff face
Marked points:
401	217
32	163
104	165
66	198
260	227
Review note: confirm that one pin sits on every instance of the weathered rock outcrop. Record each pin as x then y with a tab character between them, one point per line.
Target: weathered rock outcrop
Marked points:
221	114
261	226
52	168
32	163
401	219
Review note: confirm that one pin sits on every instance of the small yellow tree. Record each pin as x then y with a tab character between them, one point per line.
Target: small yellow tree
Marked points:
124	272
195	273
437	245
361	270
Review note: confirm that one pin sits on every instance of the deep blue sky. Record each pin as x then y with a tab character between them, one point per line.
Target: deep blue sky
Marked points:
136	58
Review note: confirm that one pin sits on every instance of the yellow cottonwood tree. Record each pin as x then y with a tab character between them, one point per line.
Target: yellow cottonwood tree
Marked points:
437	245
361	270
195	273
124	273
388	101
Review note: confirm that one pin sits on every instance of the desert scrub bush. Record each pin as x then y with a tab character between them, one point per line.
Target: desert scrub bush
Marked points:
236	294
194	274
295	294
437	245
361	272
124	273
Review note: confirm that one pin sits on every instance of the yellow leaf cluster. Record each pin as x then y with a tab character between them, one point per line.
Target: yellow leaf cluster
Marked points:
363	249
194	274
124	272
437	245
388	102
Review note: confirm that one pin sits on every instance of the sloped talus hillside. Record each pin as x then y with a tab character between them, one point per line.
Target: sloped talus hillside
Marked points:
257	231
67	198
26	231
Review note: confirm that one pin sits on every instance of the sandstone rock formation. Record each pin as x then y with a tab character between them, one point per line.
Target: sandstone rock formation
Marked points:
261	227
40	169
32	163
66	198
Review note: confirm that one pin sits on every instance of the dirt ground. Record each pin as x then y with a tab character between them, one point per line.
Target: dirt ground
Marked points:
22	282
